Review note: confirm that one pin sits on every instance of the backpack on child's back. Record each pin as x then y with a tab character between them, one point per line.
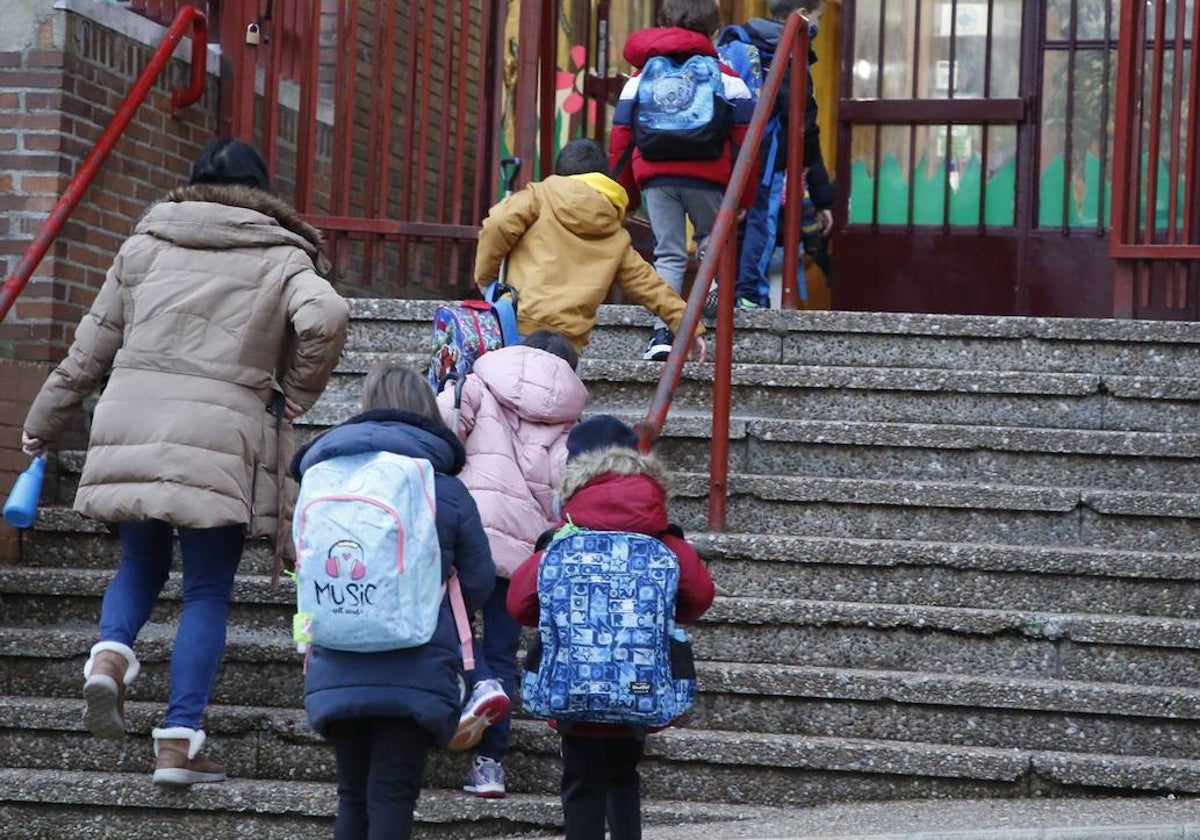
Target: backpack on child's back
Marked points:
681	112
368	561
736	49
464	331
608	649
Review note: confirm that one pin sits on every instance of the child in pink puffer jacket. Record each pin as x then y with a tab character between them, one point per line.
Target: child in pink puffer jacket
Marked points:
516	409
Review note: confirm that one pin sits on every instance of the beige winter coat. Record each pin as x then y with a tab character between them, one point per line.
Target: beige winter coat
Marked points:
213	307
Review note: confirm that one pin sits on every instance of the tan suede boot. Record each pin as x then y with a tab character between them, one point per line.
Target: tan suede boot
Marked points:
110	668
177	761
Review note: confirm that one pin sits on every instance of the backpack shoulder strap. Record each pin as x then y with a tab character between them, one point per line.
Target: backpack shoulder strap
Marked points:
733	32
462	621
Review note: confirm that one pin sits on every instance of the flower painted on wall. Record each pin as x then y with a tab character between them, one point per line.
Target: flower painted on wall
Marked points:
572	81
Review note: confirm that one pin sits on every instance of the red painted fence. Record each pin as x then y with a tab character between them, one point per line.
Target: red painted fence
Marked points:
1155	234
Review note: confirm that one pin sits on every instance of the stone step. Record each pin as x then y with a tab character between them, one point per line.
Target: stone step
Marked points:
896	395
1145	461
701	765
930	511
1130	650
955	574
1014	577
810	568
945	511
861	339
948	709
261	667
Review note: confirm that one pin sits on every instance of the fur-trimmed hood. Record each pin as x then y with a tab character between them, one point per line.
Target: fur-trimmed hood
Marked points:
221	216
617	460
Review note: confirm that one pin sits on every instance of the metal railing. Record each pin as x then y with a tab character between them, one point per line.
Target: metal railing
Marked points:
1155	133
188	18
790	57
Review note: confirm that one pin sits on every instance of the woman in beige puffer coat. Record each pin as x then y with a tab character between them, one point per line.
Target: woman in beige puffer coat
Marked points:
216	326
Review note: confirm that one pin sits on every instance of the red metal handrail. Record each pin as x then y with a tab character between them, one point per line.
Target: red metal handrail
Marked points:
722	251
189	17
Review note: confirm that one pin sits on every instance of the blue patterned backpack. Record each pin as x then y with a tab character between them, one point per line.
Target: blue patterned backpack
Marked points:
608	649
681	112
368	562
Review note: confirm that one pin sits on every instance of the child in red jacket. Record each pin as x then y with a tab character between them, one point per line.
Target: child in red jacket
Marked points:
608	485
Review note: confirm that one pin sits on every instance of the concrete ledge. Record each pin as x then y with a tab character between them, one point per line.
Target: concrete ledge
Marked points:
133	26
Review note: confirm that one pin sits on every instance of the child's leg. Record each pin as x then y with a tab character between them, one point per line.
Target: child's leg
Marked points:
584	787
665	207
399	749
624	805
501	638
352	748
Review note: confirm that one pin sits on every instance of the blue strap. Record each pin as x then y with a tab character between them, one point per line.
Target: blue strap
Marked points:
506	312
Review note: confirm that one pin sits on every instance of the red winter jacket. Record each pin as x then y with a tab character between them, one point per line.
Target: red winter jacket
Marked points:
672	40
617	490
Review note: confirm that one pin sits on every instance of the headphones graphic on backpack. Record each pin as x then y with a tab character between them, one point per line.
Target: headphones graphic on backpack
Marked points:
342	552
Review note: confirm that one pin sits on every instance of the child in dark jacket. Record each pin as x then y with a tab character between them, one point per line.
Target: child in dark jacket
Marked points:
677	190
763	220
384	711
609	485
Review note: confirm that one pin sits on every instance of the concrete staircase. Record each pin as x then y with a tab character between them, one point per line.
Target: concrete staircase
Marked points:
961	560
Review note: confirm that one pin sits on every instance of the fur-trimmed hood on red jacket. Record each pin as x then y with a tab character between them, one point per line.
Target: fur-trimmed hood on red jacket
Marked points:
619	489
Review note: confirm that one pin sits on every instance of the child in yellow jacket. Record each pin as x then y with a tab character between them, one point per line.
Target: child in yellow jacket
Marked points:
566	246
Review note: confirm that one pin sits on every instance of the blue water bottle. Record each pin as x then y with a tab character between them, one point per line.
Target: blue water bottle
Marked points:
21	507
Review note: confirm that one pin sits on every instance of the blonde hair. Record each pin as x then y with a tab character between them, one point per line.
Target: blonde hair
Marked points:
389	385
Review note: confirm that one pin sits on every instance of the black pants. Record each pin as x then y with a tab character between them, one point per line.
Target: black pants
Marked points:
380	768
600	779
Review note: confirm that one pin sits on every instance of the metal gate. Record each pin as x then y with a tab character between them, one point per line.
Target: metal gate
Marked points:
1156	214
378	119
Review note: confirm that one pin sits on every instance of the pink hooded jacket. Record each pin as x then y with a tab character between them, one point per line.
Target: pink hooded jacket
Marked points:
518	405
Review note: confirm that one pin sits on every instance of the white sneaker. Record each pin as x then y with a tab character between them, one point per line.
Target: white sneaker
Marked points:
486	778
488	704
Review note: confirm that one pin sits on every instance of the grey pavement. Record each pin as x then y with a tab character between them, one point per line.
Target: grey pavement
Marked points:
1141	817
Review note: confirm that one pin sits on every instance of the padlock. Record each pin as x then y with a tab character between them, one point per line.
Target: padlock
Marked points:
253	35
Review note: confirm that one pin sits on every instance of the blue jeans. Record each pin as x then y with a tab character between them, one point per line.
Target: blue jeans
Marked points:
210	561
380	768
497	661
759	231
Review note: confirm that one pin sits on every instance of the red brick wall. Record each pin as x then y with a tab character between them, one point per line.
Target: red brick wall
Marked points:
54	104
21	382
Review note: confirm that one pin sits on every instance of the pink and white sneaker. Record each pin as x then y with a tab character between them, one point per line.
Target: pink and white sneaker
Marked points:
488	704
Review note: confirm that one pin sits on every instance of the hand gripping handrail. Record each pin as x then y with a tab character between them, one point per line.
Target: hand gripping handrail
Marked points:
189	17
722	252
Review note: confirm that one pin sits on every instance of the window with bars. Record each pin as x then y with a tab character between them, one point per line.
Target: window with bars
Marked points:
934	103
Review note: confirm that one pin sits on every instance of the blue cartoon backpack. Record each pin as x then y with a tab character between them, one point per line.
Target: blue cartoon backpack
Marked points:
464	331
368	562
681	111
608	650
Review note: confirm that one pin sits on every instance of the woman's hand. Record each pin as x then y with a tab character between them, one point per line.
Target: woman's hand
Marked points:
292	409
32	445
698	352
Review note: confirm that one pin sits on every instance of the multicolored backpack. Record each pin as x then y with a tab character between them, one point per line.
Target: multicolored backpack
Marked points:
368	561
464	331
608	650
681	111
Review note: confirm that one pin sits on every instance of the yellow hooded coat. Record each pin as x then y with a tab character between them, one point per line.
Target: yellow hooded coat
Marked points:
566	246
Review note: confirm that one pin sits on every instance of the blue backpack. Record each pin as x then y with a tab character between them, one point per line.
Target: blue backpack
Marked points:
737	50
608	650
368	562
681	111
